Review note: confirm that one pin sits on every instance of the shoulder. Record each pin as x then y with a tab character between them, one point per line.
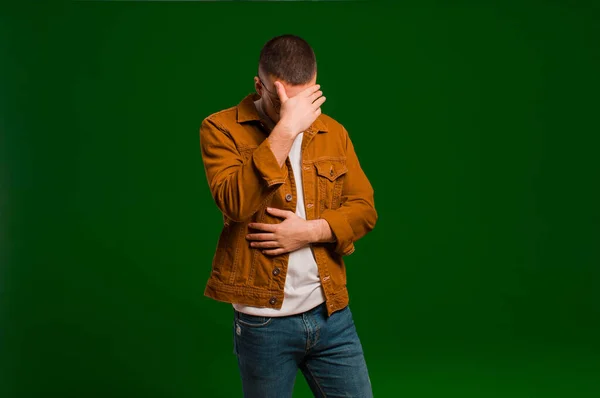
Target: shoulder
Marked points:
332	125
221	119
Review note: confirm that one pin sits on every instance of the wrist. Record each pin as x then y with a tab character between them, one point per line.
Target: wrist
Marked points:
319	231
285	129
313	231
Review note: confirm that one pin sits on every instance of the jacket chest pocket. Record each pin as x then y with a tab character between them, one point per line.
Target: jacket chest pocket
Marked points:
330	179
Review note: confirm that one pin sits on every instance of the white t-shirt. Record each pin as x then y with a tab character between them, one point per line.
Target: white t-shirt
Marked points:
302	290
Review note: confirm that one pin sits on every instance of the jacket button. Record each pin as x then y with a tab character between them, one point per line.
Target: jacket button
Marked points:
276	271
331	172
289	197
273	300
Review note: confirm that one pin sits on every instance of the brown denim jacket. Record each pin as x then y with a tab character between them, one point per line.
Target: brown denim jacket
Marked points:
245	178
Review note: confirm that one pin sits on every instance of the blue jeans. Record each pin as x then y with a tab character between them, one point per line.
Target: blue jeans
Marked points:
270	350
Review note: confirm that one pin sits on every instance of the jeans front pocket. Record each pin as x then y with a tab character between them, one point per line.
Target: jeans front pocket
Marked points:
253	321
252	336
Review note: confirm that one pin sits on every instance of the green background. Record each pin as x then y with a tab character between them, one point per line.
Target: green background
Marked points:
476	122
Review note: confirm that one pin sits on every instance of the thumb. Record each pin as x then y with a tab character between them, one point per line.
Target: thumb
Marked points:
281	91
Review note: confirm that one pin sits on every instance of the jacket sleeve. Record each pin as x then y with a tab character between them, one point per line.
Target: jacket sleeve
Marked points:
239	184
357	215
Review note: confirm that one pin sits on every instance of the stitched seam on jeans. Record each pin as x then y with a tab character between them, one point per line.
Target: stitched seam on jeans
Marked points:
254	325
316	381
316	332
307	328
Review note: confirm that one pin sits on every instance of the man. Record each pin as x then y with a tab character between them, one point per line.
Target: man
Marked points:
294	200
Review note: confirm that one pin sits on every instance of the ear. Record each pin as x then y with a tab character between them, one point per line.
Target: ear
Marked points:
257	86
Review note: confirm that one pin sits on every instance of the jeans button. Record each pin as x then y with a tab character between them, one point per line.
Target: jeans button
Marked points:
273	300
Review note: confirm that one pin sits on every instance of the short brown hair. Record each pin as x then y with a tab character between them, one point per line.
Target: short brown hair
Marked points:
289	58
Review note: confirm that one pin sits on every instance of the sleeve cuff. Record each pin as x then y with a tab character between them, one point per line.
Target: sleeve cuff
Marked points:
267	165
340	227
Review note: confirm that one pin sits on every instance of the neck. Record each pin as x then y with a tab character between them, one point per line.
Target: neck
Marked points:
264	110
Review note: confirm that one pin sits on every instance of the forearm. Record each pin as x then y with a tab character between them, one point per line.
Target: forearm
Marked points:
350	223
239	183
241	194
280	141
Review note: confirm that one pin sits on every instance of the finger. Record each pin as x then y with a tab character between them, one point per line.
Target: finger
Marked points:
313	97
311	90
273	252
319	102
260	236
318	112
281	92
279	212
266	245
263	227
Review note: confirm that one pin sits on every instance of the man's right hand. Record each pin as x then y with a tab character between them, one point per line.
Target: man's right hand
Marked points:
299	112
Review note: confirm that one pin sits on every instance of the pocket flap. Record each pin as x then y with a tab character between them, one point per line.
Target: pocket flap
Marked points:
331	169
